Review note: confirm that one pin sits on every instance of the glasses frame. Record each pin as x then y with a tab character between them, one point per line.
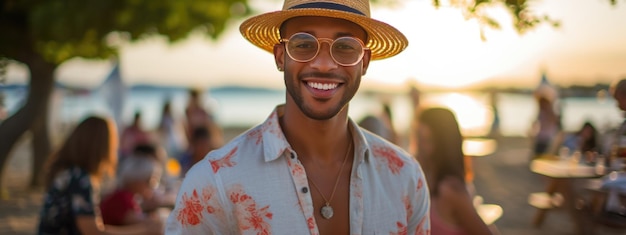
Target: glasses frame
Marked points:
330	44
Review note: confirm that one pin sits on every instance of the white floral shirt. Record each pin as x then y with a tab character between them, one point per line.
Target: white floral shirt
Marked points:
256	185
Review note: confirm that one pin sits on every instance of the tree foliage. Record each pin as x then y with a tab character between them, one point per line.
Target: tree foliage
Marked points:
522	14
59	30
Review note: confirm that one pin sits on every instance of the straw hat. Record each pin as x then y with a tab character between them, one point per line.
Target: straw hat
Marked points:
383	40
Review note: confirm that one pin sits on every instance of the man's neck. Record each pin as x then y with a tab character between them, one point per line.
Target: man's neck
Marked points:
323	140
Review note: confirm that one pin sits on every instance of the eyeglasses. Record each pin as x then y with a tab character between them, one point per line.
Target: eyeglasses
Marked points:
345	51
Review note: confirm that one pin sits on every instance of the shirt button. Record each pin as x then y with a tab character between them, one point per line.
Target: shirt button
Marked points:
305	190
293	156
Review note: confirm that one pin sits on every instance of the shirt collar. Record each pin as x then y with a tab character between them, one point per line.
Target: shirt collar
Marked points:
275	143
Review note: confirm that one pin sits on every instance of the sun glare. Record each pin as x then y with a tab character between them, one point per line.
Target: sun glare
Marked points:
445	49
474	118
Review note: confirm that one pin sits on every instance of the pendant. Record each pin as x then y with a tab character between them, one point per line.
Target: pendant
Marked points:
327	211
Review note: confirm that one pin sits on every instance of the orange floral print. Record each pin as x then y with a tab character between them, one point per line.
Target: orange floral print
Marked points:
402	229
191	213
224	161
408	207
390	157
208	196
312	226
298	172
248	214
420	228
256	134
420	184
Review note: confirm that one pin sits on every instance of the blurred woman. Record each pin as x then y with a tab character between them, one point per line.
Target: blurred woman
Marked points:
439	150
586	139
546	128
75	173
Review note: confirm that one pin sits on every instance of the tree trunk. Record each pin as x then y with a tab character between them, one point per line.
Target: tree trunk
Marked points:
37	102
41	147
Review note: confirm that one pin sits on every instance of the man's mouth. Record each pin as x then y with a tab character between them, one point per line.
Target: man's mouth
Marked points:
323	86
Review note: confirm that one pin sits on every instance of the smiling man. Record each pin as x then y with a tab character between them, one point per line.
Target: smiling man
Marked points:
309	169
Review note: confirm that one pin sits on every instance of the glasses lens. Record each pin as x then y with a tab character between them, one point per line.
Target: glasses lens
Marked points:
346	50
302	47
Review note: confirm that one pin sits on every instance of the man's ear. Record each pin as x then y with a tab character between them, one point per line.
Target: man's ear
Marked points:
366	61
279	57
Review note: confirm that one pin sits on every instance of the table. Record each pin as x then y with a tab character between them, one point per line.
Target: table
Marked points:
561	173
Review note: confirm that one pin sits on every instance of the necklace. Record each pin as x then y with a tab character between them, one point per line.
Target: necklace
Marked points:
326	210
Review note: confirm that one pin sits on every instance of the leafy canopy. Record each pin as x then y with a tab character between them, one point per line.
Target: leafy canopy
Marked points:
59	30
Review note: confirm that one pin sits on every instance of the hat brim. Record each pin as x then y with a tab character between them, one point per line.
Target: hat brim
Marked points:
384	40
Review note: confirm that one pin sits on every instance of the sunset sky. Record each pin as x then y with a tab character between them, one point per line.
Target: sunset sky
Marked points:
445	50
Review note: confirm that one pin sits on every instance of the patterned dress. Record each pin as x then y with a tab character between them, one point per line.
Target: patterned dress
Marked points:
70	195
256	185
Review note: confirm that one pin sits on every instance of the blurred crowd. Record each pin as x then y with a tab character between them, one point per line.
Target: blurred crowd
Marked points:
126	182
102	180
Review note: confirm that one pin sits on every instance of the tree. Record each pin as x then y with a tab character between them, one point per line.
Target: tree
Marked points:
43	34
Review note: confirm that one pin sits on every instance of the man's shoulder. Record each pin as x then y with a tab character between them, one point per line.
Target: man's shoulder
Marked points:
247	140
386	152
377	142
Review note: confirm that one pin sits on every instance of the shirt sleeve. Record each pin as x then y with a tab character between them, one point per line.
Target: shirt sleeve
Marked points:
199	208
419	220
81	194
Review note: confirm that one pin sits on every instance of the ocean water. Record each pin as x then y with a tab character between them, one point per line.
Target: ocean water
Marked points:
247	107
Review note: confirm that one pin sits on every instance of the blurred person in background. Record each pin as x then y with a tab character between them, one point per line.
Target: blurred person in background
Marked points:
133	135
381	125
170	132
75	174
415	96
199	116
166	188
494	131
440	151
583	140
546	129
199	145
195	113
137	179
616	141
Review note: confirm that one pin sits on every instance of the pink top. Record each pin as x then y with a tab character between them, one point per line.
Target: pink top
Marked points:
256	185
440	227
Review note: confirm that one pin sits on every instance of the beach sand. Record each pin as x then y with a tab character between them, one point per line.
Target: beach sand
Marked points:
501	178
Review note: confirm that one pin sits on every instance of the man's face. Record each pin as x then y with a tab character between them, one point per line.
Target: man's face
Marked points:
320	88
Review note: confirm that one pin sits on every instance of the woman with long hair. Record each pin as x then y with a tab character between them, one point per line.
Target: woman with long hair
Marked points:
440	152
75	173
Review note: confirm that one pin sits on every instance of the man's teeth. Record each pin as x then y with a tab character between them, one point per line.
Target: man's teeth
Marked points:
323	86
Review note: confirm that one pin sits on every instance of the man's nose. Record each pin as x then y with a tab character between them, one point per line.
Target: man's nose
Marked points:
324	60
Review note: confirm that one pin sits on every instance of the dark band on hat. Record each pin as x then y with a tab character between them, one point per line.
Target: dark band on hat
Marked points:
328	5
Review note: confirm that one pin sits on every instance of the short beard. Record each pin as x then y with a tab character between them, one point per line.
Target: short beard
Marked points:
294	88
